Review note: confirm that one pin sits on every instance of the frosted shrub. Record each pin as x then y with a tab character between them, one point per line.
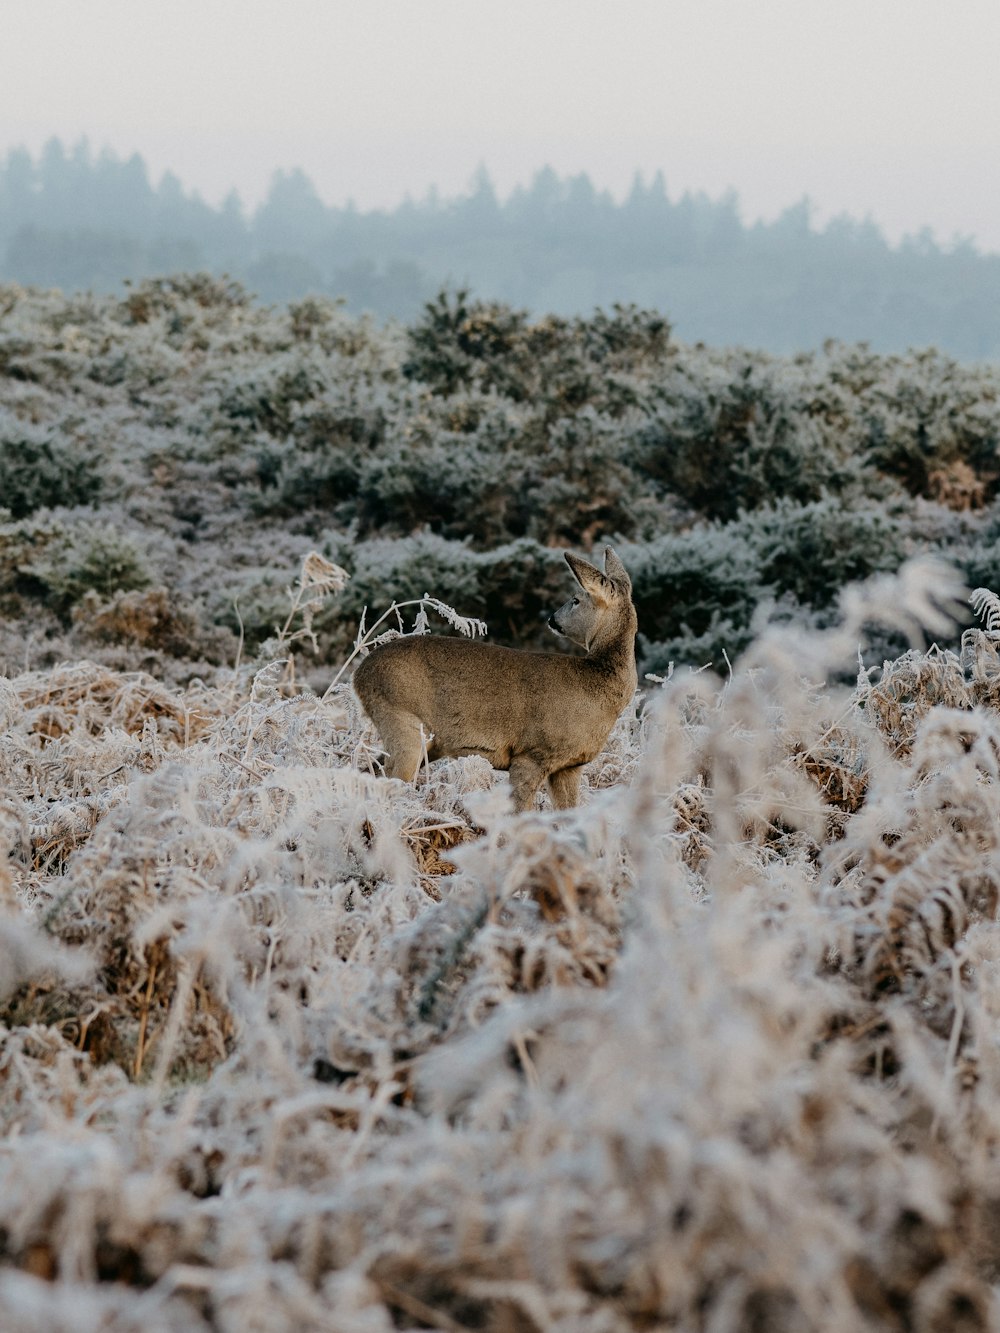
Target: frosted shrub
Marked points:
696	588
814	550
41	470
228	440
735	436
929	424
87	559
271	399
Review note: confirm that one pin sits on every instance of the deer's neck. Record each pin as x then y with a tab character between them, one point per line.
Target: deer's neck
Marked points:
614	663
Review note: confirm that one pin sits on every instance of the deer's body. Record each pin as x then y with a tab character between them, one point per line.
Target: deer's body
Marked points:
540	716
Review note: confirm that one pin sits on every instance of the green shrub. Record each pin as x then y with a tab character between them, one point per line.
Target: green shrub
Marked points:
559	363
318	462
738	438
39	470
292	480
814	550
488	473
698	592
686	584
83	559
451	491
21	543
924	415
460	342
269	398
154	297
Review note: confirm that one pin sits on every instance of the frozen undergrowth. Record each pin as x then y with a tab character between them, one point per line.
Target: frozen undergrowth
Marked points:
289	1045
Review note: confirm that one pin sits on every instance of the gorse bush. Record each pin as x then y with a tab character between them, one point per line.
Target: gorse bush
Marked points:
57	561
814	550
462	343
40	467
934	431
81	560
685	583
269	401
741	437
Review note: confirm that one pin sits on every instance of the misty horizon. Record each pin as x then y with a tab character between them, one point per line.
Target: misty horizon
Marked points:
888	111
434	195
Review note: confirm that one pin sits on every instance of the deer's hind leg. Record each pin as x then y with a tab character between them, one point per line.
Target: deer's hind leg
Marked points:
526	776
564	787
404	741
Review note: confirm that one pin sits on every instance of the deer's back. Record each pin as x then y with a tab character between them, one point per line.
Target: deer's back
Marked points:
415	671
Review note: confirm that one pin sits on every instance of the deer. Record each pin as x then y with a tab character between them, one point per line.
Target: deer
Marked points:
541	717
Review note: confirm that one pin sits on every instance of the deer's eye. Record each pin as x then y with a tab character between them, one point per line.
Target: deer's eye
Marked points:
576	601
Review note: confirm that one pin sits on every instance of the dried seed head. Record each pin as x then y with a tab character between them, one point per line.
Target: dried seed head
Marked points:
322	574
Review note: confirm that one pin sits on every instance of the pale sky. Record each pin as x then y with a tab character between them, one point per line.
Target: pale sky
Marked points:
881	107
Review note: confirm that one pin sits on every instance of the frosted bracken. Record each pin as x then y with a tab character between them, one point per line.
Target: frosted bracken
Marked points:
286	1044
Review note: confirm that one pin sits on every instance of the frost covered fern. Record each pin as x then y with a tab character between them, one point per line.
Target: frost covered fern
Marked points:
286	1044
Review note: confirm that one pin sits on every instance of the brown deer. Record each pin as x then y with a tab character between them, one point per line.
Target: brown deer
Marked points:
540	716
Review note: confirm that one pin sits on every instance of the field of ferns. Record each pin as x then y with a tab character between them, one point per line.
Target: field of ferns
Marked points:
287	1045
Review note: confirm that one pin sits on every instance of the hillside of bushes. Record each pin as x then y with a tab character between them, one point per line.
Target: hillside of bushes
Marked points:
167	460
285	1044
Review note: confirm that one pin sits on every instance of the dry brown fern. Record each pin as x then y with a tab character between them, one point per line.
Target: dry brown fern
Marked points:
716	1050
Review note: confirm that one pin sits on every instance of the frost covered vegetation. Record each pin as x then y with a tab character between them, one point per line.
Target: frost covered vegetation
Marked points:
166	462
286	1045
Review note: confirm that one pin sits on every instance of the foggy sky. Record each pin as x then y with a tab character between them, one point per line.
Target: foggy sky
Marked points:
881	107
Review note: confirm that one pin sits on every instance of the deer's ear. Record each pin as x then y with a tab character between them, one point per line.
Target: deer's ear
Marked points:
615	570
590	579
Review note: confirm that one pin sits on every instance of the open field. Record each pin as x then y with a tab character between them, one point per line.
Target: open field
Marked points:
284	1044
288	1045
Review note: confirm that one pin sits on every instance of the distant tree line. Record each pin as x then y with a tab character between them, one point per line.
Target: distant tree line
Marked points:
76	220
